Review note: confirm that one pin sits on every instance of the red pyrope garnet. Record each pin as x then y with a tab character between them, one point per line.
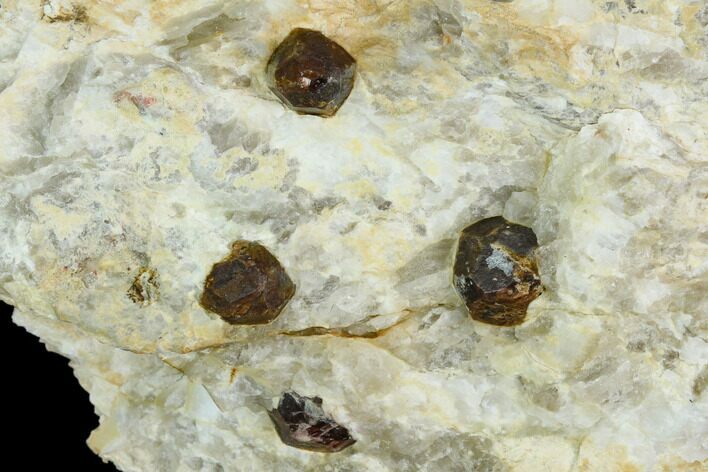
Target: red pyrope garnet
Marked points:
495	271
247	287
310	73
301	422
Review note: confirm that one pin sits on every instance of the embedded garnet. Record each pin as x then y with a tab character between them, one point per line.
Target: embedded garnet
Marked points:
310	73
301	422
495	271
247	287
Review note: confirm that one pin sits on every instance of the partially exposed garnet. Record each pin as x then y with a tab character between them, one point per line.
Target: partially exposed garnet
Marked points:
311	73
496	272
248	287
301	422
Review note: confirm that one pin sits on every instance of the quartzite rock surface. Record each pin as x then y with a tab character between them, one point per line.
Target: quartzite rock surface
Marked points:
138	140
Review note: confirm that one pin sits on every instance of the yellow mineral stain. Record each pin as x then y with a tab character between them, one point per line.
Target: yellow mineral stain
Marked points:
693	32
165	10
679	465
109	15
613	458
270	172
103	437
360	188
355	147
380	247
64	223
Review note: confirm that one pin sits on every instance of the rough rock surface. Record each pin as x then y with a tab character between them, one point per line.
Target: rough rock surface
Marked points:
138	140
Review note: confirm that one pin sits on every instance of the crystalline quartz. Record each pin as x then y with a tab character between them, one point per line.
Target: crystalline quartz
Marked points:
143	136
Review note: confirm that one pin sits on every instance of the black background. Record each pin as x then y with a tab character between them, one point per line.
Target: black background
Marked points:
48	416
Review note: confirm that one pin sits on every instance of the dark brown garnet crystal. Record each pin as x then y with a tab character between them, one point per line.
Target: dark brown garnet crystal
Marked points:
301	422
248	287
495	271
311	73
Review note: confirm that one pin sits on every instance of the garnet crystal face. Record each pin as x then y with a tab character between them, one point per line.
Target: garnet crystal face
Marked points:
495	271
248	287
301	422
310	73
